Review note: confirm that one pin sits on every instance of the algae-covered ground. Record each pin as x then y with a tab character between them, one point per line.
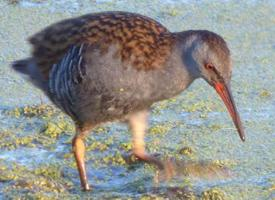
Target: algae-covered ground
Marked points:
193	129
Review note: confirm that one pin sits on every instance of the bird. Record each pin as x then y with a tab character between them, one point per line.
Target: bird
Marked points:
113	66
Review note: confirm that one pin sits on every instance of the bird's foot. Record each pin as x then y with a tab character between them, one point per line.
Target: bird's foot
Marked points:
150	159
165	168
86	188
132	158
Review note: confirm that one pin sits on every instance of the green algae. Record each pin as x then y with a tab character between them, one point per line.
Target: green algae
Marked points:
160	128
187	151
215	127
53	129
225	163
5	173
39	110
97	145
252	87
151	197
181	193
11	140
116	159
44	181
15	2
49	170
201	106
100	129
173	12
213	194
53	124
126	146
265	94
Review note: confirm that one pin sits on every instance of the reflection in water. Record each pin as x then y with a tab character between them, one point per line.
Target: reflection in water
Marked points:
181	169
194	169
203	169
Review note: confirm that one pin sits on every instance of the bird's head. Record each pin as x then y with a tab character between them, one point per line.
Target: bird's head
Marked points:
207	56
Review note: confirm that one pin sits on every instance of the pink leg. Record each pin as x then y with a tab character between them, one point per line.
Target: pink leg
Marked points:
79	154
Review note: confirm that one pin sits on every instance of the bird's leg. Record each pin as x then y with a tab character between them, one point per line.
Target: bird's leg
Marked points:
138	126
79	154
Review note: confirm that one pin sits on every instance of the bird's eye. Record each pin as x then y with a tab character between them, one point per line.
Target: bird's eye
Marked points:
209	66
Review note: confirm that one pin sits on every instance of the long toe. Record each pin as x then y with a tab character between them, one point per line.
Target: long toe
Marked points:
151	159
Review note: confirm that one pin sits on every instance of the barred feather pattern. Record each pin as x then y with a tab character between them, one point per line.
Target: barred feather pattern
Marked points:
65	76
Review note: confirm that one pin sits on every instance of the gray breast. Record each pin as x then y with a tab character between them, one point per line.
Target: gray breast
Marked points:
95	87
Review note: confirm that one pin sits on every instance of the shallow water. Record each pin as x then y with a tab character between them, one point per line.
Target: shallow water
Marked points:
35	159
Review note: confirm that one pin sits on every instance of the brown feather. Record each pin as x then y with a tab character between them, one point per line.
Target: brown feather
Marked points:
142	42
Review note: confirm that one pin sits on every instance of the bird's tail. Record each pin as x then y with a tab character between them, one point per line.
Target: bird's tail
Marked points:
29	68
22	65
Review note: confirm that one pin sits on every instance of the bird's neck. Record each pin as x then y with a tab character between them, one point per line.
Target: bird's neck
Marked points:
180	69
186	43
174	78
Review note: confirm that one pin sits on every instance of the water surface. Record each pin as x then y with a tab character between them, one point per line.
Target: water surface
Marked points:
194	128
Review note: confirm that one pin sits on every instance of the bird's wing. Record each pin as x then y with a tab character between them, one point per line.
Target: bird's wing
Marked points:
64	77
142	42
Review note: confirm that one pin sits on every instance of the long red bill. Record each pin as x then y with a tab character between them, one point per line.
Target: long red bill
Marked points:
224	91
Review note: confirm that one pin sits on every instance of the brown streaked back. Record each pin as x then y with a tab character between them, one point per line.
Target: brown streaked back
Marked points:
142	42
